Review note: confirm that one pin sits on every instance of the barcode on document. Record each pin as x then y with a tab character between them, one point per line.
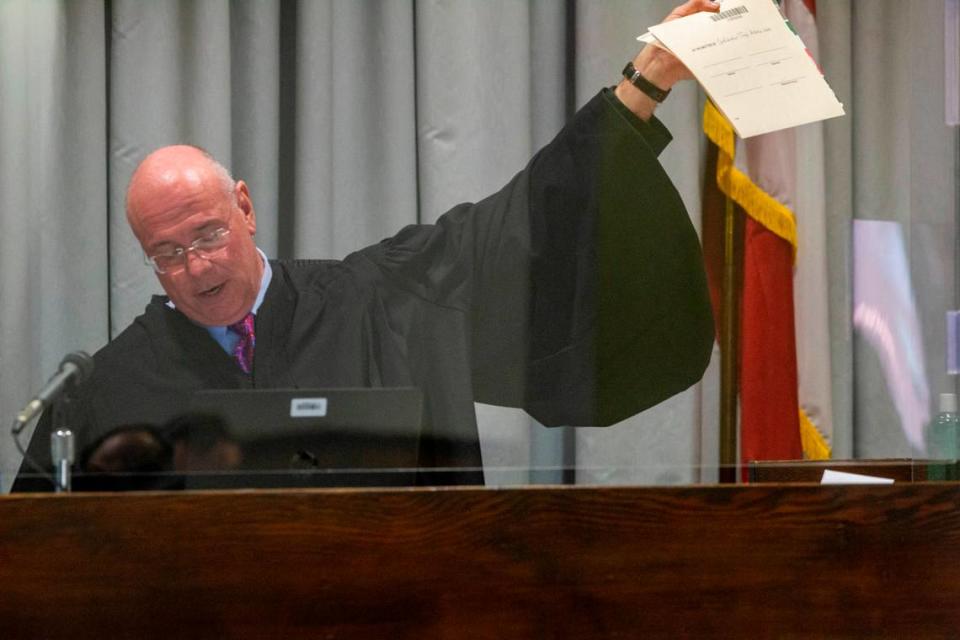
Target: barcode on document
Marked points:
729	13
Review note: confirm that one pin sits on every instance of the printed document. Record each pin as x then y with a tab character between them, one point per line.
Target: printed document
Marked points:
753	66
842	477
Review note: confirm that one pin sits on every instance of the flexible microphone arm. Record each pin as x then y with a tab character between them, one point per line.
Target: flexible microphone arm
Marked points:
74	369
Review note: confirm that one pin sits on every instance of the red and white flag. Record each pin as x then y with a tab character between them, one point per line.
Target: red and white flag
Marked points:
777	183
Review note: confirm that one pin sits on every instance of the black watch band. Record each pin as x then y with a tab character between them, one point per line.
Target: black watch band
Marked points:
656	93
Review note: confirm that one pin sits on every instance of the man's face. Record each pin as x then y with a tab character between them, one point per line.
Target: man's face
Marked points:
221	287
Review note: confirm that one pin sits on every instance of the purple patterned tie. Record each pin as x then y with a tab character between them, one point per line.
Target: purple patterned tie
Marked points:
243	350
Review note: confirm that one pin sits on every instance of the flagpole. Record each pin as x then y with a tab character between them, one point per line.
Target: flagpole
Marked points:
729	346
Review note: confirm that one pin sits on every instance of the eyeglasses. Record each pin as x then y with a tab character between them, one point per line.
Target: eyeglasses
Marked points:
175	260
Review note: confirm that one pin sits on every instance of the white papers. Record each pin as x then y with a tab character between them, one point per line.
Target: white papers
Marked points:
842	477
752	65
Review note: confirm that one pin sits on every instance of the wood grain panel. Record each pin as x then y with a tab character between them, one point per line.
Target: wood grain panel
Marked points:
772	560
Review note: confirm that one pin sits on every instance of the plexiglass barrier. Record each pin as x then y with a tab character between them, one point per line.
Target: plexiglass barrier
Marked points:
858	254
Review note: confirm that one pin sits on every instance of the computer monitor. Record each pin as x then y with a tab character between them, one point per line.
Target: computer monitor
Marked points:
300	437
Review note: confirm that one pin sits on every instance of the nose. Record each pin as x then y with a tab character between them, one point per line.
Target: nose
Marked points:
195	264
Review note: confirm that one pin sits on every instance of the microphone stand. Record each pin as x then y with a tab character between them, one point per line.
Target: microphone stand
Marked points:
62	446
56	396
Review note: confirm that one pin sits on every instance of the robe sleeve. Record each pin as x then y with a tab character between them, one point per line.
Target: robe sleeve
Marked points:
582	279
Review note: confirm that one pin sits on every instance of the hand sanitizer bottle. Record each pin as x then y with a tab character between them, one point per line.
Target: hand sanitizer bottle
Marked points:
944	430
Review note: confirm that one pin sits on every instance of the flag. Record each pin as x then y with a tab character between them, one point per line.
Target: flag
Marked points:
775	180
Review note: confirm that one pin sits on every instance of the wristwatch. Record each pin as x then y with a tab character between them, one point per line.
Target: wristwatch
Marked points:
656	93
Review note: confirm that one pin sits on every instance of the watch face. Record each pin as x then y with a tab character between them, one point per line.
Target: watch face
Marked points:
654	92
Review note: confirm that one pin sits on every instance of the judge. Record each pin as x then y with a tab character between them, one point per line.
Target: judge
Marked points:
576	292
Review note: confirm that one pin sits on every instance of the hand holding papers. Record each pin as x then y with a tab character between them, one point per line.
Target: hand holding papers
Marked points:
752	65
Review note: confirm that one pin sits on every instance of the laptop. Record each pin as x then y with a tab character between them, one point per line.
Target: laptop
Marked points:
300	437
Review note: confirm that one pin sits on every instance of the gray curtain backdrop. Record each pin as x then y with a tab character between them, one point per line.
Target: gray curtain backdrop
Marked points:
352	118
54	260
904	170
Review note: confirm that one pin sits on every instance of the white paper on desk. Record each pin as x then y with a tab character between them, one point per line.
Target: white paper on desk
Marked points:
842	477
752	65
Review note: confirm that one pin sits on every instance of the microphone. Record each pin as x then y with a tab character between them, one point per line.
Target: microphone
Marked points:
74	369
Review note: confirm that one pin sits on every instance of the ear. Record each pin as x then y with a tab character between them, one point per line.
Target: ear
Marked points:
245	204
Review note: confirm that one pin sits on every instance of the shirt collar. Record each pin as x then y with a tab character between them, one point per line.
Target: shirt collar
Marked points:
264	282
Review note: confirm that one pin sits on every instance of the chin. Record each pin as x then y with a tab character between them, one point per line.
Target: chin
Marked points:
214	313
210	318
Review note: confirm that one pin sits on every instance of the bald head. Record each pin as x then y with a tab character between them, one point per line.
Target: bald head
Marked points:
183	203
167	170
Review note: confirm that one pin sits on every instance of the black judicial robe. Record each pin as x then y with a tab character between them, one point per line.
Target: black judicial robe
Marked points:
577	292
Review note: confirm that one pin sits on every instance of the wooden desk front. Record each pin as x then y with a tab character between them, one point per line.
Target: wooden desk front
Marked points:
755	561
